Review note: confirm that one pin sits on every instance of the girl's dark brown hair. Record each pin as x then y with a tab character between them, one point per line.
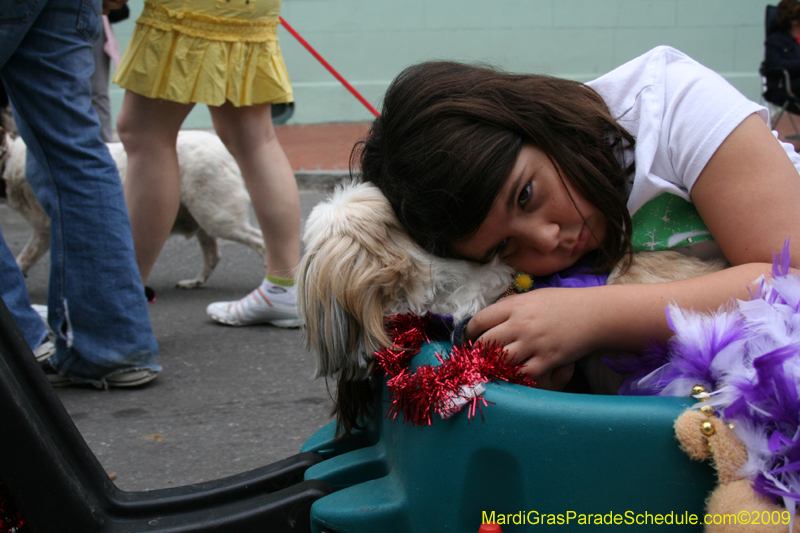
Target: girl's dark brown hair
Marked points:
449	135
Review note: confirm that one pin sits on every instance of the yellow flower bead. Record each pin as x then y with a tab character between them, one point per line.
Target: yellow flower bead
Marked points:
523	282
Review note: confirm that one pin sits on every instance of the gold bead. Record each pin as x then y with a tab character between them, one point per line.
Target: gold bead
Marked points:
700	390
707	410
707	428
731	426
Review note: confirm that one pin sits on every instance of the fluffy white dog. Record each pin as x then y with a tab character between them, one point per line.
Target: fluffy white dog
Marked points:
360	265
214	201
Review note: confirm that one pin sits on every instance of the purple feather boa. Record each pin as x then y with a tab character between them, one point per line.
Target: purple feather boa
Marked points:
748	356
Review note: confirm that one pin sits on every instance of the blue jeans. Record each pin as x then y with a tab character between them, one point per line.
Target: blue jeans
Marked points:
15	296
95	300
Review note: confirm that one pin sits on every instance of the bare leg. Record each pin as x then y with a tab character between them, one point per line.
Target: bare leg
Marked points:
250	136
148	129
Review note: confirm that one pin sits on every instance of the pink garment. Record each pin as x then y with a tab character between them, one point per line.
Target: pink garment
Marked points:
111	46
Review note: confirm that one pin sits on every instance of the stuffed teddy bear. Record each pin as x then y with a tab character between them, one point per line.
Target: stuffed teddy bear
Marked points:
702	434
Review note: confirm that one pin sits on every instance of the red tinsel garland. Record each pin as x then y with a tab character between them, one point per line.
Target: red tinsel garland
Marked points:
446	388
11	520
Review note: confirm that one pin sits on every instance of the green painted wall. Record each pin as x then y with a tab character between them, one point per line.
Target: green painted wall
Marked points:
370	41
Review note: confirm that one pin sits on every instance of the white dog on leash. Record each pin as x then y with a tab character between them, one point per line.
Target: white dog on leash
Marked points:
214	201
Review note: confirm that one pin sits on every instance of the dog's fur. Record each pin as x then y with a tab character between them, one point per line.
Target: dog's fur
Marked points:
360	265
214	201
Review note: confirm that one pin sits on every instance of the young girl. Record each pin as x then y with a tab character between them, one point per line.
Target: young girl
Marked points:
661	153
225	55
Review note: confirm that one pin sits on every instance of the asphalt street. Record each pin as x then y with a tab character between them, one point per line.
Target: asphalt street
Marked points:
228	400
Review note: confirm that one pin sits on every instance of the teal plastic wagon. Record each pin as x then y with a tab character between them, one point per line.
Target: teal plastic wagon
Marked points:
532	460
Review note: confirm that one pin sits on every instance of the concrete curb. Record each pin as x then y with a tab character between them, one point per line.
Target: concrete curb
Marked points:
320	179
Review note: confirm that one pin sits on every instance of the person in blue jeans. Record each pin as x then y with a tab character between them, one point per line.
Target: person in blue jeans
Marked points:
96	305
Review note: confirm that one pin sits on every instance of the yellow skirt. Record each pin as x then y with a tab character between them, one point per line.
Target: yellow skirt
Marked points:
213	51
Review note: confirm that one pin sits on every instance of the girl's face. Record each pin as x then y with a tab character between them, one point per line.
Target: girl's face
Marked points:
538	224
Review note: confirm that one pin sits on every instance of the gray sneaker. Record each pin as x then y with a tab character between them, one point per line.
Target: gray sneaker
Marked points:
124	378
45	351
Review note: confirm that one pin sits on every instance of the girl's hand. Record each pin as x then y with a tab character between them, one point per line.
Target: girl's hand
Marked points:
547	329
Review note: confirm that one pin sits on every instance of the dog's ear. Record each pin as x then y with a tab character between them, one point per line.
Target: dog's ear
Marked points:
357	264
335	328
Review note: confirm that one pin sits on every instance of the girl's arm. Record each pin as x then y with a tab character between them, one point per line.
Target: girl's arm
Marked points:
749	197
552	328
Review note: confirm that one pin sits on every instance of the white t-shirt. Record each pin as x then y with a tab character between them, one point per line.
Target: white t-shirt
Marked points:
680	112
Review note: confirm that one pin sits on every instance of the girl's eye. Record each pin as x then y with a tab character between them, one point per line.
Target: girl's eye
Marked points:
524	195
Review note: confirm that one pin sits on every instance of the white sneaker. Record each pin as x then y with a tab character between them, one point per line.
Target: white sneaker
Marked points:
255	308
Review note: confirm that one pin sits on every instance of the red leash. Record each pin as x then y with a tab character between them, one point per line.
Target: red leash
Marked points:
330	68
